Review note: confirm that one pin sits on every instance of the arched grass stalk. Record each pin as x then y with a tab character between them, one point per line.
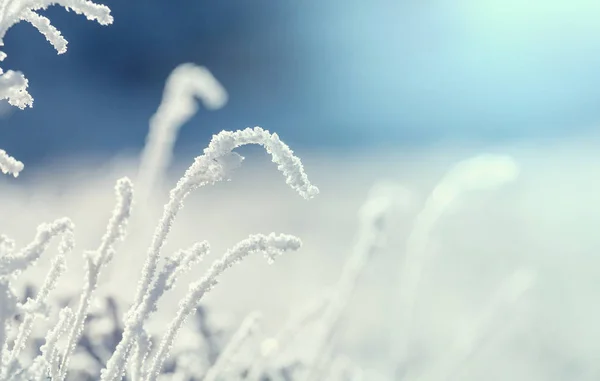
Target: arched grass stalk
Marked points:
185	83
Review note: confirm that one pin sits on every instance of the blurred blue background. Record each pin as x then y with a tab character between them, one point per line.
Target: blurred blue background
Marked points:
326	75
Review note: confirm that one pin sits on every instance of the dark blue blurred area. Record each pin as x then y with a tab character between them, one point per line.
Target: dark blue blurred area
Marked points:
323	74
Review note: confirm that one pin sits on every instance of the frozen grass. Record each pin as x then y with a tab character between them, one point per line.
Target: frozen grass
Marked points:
480	338
215	165
13	84
461	288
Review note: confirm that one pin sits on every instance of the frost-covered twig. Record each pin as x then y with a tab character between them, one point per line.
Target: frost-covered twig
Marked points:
95	261
31	309
134	333
8	309
182	261
143	345
42	24
50	357
186	83
271	245
24	258
12	263
7	245
8	164
13	84
213	166
13	88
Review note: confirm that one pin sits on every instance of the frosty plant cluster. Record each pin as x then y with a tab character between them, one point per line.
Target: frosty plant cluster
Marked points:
140	357
13	84
135	346
215	164
160	273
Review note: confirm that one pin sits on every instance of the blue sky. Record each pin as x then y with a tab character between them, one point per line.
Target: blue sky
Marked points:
325	75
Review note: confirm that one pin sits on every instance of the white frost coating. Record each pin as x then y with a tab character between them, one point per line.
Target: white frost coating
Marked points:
11	12
180	262
134	332
225	142
29	254
11	263
117	225
186	83
271	245
13	84
213	166
216	163
13	88
8	164
143	346
8	309
486	171
32	308
7	245
48	30
49	360
96	261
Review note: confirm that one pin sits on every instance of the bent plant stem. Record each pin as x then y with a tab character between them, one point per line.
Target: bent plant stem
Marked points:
96	261
218	159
